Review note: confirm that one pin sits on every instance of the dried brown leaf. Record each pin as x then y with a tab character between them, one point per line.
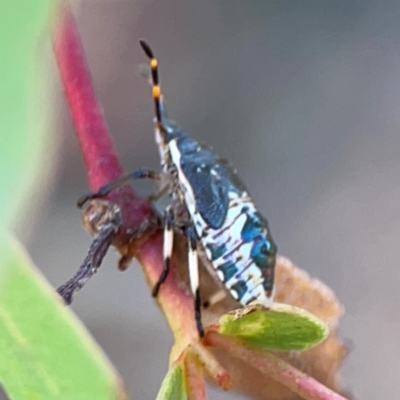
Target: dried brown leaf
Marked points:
294	286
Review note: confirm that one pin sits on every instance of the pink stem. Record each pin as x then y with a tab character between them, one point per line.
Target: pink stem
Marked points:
175	301
195	383
212	365
101	161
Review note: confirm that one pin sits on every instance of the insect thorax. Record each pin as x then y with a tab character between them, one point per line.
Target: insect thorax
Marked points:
233	234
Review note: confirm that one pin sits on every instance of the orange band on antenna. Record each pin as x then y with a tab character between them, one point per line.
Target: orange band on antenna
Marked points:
153	63
156	92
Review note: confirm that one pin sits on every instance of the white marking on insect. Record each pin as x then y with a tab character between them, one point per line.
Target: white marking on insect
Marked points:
193	270
168	242
220	275
234	294
189	196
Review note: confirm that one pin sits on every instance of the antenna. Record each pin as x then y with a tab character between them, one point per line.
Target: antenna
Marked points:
156	91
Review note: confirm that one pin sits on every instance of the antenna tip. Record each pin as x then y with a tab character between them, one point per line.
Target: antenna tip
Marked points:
146	48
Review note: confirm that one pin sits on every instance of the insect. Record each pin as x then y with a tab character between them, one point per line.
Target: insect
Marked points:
212	207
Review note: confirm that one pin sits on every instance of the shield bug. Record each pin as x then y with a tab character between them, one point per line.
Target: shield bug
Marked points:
212	207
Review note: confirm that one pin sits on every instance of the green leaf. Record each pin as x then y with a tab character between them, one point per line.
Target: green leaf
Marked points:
45	352
24	103
173	386
284	327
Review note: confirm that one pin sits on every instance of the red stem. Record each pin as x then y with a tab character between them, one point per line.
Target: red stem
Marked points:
101	161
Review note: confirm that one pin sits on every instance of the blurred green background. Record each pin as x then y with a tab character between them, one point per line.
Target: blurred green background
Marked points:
303	98
25	115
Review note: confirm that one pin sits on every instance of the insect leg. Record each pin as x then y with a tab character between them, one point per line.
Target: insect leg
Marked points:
91	264
167	248
138	174
155	196
194	277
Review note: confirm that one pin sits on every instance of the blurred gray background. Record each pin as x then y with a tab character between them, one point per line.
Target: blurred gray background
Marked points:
304	98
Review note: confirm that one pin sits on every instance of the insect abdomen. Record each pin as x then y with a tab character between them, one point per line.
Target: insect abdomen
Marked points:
233	233
243	253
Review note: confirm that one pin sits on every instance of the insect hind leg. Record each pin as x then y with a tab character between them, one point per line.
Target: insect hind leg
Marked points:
194	276
167	248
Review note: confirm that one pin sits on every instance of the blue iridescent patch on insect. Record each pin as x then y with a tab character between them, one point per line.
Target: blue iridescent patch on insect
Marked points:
240	288
263	254
260	253
254	226
228	269
216	250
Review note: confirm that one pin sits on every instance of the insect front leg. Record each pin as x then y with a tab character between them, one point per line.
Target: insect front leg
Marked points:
194	276
167	248
158	194
138	174
92	262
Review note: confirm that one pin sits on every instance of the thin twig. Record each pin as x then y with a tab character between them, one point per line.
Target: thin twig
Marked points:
212	365
194	378
101	161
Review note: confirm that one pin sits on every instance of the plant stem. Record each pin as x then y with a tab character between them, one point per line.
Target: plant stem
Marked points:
194	377
101	161
278	369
